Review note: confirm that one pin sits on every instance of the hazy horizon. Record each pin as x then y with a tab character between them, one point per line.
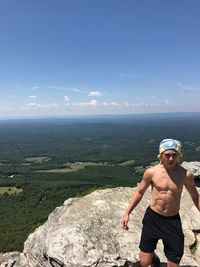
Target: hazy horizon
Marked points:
136	115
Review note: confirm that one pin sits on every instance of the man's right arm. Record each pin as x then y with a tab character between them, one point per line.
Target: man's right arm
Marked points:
137	196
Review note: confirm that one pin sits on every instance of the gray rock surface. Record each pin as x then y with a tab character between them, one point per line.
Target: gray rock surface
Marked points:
193	166
86	232
13	259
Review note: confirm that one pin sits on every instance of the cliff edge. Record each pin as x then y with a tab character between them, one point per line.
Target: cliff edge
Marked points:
86	232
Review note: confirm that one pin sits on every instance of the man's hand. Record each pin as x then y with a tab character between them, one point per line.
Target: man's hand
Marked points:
124	221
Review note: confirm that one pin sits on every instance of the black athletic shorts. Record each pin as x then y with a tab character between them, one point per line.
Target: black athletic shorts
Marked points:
167	228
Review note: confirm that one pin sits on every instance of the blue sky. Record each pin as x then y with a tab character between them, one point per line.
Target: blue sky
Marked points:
87	57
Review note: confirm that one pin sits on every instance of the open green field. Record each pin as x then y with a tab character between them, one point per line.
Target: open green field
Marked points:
37	159
10	190
73	167
127	162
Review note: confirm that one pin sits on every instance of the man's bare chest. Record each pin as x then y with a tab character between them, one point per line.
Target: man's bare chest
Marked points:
168	183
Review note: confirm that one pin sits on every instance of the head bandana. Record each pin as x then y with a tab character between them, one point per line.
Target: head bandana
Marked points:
168	144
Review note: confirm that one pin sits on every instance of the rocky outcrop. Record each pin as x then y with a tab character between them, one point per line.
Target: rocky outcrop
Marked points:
13	259
86	232
193	166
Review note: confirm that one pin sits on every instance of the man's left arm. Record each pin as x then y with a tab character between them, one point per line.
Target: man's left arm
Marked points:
191	188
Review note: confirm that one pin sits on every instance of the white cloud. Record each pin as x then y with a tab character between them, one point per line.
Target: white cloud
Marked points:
92	103
95	93
186	89
154	102
167	102
36	106
66	98
7	109
126	104
105	104
84	105
77	90
67	89
72	89
113	103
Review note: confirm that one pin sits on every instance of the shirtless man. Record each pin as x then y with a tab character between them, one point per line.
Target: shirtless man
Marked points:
161	219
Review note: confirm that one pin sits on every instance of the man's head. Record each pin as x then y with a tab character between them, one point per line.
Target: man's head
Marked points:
170	150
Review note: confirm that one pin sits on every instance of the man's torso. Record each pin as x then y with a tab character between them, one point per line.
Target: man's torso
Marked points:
166	189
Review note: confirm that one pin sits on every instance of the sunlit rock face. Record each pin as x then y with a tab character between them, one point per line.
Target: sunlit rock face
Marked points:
13	259
193	166
86	232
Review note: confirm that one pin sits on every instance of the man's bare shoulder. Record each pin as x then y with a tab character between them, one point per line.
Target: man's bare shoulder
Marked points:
188	174
153	169
185	172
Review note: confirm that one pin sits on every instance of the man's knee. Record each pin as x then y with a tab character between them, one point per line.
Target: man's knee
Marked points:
145	259
172	264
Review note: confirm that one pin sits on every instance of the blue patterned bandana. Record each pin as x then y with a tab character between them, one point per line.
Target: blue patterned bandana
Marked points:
167	144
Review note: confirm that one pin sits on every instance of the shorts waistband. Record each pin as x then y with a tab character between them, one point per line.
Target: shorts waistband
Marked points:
176	216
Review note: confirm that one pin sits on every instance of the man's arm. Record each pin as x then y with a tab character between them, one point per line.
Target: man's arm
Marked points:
190	186
137	196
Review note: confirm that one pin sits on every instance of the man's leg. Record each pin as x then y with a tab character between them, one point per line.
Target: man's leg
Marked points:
149	239
172	264
146	259
173	241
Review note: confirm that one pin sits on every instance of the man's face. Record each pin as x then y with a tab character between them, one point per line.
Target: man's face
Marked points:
170	159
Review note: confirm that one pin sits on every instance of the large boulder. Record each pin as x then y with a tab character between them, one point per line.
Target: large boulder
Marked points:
86	232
